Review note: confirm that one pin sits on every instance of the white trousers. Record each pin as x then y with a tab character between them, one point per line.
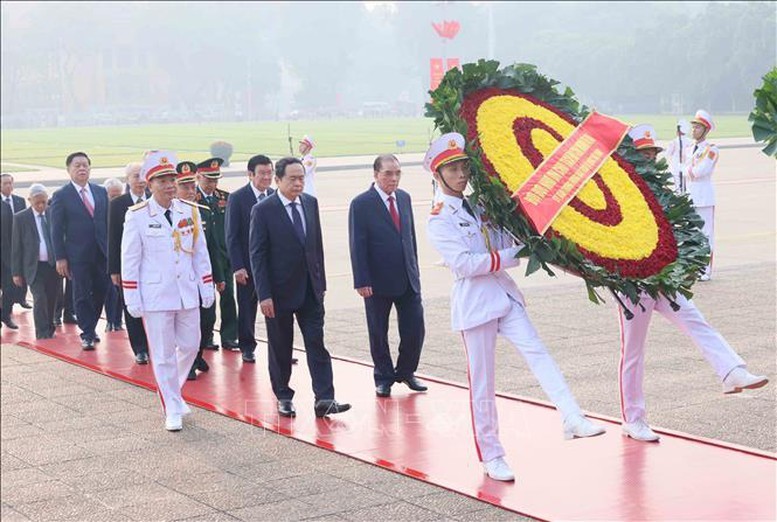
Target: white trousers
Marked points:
173	343
708	215
690	321
480	345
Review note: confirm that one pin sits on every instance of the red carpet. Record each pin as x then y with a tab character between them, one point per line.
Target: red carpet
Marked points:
429	437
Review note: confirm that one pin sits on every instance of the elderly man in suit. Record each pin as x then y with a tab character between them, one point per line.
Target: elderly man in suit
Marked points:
79	221
33	260
287	263
260	171
117	210
384	260
16	294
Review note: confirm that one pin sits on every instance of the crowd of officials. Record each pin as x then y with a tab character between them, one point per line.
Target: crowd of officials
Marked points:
158	250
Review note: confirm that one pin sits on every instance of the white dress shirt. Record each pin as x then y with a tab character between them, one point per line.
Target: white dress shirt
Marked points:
43	252
385	197
256	192
287	205
88	190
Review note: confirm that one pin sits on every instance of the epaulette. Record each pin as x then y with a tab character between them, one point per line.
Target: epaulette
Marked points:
138	206
193	204
436	208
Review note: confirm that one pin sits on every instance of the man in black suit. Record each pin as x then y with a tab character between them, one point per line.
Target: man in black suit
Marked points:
6	276
238	217
117	208
287	264
79	233
17	204
33	260
384	260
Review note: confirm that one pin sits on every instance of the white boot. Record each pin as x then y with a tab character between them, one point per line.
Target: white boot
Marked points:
499	469
740	379
577	426
639	430
173	422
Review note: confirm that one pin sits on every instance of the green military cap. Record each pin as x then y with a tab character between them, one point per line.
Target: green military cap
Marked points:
186	171
210	168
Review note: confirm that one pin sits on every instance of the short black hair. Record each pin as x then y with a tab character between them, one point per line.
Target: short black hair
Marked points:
74	155
259	159
378	163
280	167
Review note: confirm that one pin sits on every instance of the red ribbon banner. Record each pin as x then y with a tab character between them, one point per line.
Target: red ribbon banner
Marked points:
561	175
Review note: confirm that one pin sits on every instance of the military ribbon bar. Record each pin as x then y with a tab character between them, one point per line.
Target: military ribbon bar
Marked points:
562	174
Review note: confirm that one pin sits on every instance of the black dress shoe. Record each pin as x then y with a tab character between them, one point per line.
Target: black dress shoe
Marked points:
414	384
141	358
10	324
87	345
210	346
201	364
286	409
96	338
192	375
25	304
230	345
57	322
69	319
383	390
249	358
330	407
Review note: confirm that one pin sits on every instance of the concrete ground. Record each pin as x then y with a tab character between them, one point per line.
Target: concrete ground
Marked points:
77	445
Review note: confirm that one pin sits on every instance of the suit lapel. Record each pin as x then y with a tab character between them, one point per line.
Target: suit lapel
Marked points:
285	217
307	209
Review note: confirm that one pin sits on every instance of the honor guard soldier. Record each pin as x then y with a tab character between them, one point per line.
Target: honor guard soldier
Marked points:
186	190
165	272
698	175
485	302
677	152
644	141
306	145
729	366
208	194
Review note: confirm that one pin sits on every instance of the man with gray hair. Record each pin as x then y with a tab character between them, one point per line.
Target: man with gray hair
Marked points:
33	262
117	208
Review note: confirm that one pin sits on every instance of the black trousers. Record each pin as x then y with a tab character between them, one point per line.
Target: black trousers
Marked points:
46	291
90	284
410	319
8	291
247	305
280	331
135	330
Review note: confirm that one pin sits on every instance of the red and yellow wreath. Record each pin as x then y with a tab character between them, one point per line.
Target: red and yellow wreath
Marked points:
625	229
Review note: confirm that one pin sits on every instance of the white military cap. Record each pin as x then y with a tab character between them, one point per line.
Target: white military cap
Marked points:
704	118
644	137
159	163
308	140
445	149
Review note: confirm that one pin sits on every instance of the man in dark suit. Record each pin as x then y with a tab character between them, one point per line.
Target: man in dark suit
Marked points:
33	260
384	260
117	208
79	233
287	264
17	204
6	276
238	217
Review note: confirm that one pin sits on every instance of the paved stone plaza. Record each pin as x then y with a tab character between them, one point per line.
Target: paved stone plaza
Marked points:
81	446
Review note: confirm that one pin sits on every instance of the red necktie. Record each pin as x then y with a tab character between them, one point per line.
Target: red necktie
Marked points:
394	213
87	203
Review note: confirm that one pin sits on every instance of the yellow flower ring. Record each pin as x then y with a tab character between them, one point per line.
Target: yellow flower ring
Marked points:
615	220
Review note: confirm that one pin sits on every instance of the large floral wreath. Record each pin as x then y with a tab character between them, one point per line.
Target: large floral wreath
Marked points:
626	230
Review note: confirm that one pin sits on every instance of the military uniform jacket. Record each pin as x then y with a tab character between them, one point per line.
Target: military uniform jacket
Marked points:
478	255
698	174
214	219
164	267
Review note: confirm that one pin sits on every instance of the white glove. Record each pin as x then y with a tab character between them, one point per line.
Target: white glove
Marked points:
208	300
135	311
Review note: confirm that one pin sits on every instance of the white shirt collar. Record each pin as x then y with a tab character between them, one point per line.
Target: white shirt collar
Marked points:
286	201
79	187
135	198
256	192
382	194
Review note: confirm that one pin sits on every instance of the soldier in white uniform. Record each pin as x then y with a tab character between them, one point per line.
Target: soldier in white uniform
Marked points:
728	365
677	152
698	175
485	302
306	145
165	270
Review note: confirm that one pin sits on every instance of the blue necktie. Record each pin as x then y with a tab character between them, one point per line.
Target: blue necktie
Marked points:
296	219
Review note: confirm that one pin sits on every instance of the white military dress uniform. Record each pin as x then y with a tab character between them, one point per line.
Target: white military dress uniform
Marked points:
309	162
677	153
165	270
485	301
698	175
